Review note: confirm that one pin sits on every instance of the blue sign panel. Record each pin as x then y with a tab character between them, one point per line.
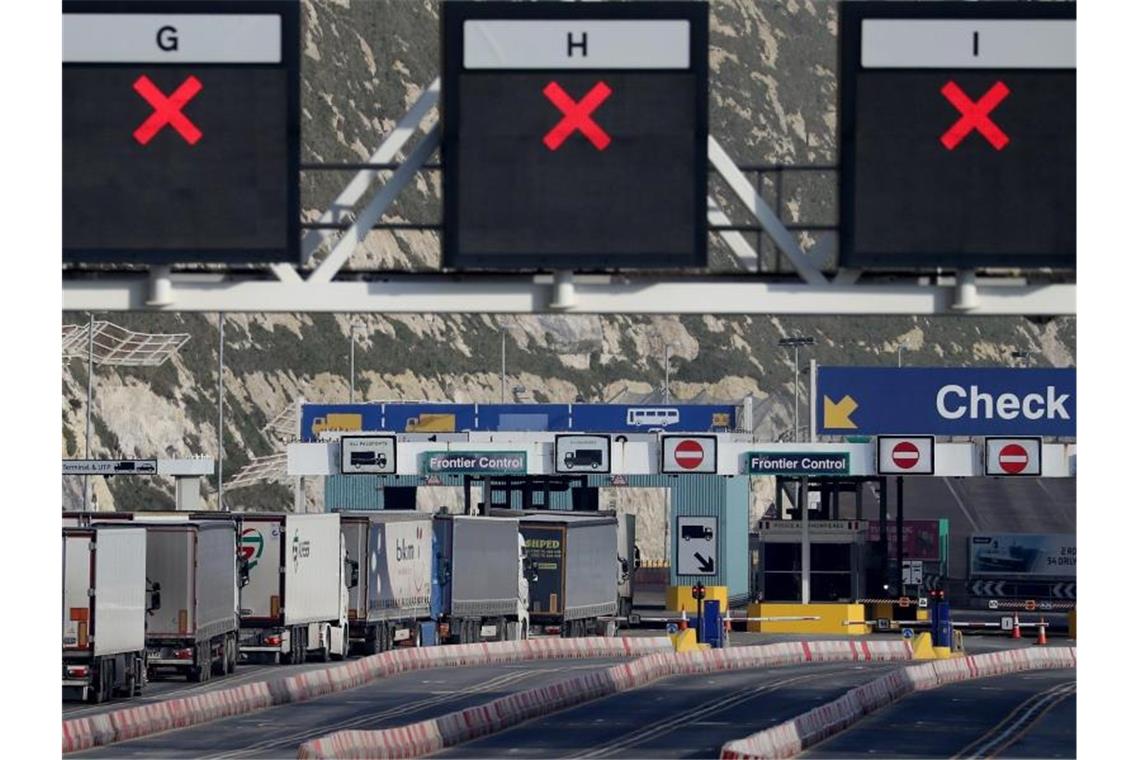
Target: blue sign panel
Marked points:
689	418
429	417
318	418
946	401
523	417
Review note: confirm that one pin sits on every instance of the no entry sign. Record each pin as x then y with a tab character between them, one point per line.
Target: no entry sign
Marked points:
906	455
1013	456
688	454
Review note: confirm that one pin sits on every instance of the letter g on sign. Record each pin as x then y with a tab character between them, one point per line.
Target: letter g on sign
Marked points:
167	39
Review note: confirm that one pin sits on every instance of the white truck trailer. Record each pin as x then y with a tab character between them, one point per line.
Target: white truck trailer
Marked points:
194	567
104	612
391	602
483	574
295	605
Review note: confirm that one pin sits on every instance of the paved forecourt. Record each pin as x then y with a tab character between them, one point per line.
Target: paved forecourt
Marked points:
1029	714
396	700
681	716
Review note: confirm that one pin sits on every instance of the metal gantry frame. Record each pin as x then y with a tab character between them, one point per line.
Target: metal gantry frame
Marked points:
290	288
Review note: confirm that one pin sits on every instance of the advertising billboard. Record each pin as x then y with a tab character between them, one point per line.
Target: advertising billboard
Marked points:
1023	555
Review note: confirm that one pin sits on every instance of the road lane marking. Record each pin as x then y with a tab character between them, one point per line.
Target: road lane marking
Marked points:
680	720
1018	721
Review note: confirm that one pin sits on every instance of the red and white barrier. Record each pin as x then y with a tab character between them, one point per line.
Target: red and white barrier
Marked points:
155	717
454	728
794	736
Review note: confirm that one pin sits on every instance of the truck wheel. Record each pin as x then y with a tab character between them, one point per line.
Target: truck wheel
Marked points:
218	666
231	655
97	692
140	677
375	642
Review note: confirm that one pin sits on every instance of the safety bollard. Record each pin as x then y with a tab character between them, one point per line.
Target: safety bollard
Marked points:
684	624
1016	627
1041	640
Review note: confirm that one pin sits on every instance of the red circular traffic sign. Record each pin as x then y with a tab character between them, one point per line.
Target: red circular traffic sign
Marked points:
1013	458
905	455
689	454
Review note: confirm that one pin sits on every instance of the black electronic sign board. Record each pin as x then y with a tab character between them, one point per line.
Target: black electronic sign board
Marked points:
575	135
958	134
181	131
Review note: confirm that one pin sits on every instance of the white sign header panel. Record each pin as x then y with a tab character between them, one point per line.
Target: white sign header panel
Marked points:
171	38
598	44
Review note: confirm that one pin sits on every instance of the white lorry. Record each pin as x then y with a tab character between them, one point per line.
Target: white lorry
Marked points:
104	612
295	605
483	577
390	603
194	567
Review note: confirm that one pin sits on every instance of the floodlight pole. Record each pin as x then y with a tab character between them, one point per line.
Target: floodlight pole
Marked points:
221	403
90	386
667	351
352	363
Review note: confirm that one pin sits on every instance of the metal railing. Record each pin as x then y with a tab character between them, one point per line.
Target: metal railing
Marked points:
757	171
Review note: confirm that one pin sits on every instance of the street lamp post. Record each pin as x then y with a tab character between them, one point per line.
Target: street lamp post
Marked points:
668	350
794	343
503	367
352	362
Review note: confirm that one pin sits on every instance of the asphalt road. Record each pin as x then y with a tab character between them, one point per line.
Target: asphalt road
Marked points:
173	687
411	697
1029	715
684	716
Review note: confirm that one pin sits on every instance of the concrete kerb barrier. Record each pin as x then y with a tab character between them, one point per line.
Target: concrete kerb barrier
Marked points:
794	736
156	717
432	735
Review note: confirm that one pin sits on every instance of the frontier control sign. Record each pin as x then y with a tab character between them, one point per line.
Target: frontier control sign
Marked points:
474	462
805	463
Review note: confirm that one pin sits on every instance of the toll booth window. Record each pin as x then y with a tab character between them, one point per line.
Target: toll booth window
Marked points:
830	557
781	557
782	587
830	587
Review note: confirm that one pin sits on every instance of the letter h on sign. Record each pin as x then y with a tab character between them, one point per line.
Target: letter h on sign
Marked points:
571	44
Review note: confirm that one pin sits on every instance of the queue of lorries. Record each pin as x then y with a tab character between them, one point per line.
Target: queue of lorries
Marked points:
194	593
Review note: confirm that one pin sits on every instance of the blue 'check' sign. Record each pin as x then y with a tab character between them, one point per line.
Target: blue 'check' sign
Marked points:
946	401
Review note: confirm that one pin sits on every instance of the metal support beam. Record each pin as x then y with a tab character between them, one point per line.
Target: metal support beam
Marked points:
529	294
342	207
375	209
768	219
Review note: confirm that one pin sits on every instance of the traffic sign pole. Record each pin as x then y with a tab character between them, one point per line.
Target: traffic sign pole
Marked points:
805	543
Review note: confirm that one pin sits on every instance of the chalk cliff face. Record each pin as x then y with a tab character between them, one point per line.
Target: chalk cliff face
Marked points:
773	99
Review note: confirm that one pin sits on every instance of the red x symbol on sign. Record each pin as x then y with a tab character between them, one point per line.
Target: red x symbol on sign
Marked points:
975	115
167	110
576	116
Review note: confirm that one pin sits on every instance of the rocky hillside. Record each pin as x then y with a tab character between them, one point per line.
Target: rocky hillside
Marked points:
773	100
